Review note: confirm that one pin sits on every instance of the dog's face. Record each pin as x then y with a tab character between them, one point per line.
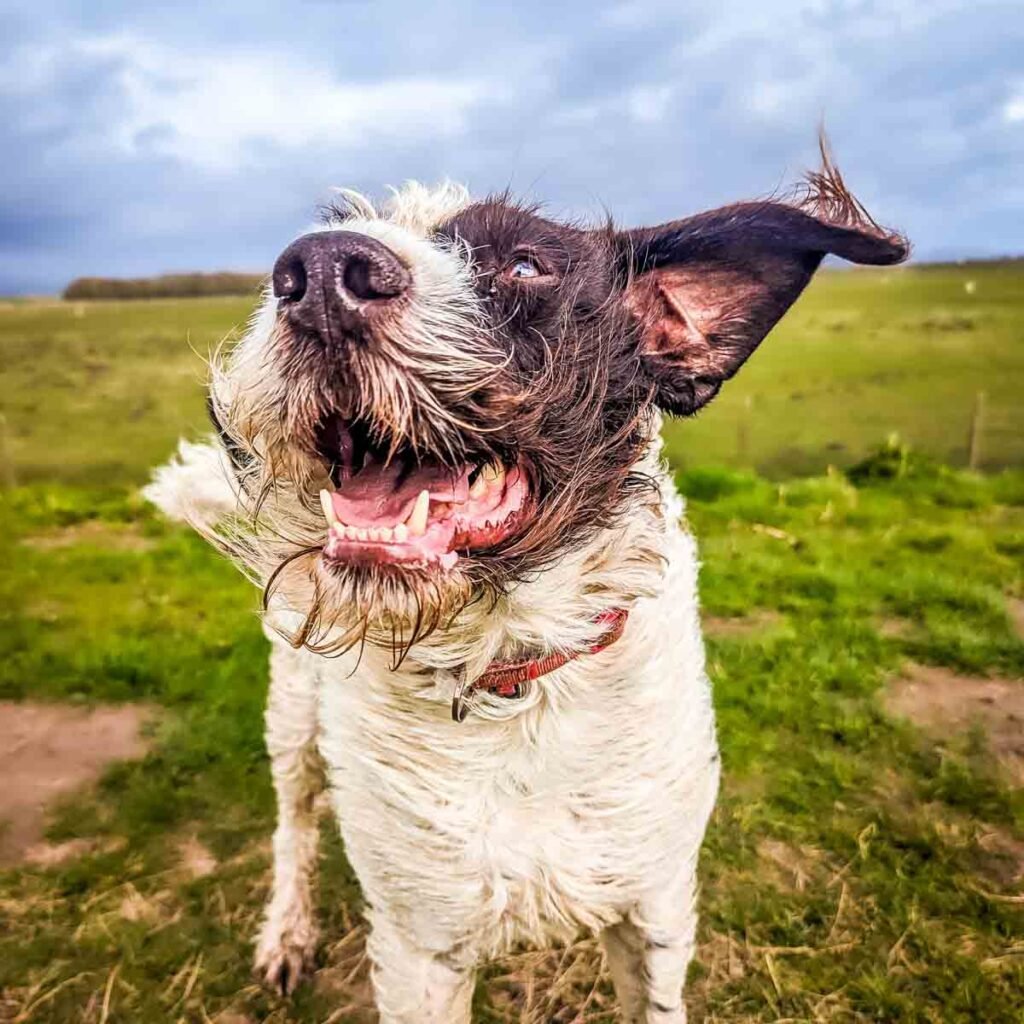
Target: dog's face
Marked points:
444	396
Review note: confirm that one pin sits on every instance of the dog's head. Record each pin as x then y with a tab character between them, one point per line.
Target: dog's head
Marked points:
442	396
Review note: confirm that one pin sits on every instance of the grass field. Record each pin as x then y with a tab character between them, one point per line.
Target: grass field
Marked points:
859	867
96	391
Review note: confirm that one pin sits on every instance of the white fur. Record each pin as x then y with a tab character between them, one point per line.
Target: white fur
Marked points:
197	487
581	805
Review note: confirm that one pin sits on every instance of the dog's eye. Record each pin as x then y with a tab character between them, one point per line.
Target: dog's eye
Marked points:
523	267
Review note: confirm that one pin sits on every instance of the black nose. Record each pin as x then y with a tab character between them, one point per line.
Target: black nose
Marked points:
341	276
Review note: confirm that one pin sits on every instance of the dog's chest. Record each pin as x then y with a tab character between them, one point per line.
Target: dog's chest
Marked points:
523	829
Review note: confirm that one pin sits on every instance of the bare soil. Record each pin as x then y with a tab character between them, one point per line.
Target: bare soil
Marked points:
940	701
93	533
737	627
47	751
1015	609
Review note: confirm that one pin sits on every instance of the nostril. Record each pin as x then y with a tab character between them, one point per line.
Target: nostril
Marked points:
356	279
368	277
289	280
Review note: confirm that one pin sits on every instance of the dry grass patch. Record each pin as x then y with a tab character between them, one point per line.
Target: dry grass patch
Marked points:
92	533
894	627
787	866
195	858
723	627
564	984
1015	609
941	701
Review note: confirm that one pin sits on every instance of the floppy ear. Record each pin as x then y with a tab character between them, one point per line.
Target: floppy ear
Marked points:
706	290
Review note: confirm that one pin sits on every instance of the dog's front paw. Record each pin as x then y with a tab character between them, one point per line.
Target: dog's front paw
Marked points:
284	958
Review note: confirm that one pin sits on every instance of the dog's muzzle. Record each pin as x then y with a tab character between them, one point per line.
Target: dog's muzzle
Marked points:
333	282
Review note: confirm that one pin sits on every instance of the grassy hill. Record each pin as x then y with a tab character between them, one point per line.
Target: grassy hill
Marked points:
863	354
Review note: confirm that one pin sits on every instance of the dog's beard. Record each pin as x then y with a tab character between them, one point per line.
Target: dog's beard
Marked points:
353	516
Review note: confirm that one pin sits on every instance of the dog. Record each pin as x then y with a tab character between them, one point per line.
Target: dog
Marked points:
436	450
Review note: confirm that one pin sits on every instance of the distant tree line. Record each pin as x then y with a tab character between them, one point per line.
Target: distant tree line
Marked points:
165	286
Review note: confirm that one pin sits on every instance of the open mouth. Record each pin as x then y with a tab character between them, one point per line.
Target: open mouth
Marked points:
392	507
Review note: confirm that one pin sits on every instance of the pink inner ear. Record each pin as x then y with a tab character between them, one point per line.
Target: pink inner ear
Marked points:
685	310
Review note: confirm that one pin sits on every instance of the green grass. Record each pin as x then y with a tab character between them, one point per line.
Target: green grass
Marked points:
95	393
854	867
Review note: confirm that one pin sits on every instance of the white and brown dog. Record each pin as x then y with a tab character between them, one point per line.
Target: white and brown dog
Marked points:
437	453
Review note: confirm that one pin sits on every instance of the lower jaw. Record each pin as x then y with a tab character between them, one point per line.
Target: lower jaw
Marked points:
440	548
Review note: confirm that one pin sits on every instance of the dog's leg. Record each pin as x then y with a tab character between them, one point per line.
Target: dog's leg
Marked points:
287	940
418	986
624	950
649	954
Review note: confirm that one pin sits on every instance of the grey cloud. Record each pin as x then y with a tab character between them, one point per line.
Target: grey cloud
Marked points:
653	110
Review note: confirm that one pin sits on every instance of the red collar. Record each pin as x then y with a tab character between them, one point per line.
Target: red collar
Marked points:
507	678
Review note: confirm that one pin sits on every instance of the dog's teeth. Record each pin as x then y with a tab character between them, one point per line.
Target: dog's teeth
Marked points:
338	531
401	532
351	533
492	474
479	487
361	534
328	506
418	517
384	534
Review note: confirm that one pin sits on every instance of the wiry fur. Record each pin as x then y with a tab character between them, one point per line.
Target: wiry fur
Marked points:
529	821
582	804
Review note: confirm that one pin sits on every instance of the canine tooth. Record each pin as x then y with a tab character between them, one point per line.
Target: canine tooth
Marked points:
361	534
401	532
418	517
328	506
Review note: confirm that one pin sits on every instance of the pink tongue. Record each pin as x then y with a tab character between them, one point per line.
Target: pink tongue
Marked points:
375	497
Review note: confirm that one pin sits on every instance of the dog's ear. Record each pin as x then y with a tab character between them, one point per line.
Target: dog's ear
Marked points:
706	290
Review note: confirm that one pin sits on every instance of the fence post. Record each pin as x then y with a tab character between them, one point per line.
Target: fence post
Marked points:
977	426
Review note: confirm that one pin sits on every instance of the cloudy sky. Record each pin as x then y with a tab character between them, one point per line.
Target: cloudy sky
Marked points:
141	138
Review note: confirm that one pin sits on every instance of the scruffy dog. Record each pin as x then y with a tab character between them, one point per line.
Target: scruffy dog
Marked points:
437	453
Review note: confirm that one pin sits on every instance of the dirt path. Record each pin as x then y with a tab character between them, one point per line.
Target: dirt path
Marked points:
49	750
941	702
